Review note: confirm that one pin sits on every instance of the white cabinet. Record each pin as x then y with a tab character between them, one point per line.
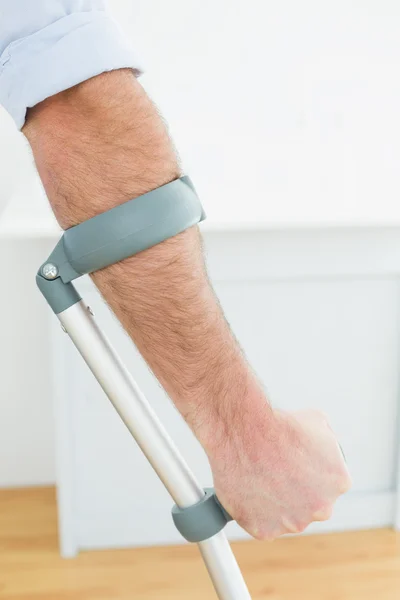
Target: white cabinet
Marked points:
317	313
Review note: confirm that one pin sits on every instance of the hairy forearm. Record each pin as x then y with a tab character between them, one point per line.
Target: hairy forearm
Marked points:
102	144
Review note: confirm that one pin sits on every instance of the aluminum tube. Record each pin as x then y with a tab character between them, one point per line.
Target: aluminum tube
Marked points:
149	433
131	404
223	569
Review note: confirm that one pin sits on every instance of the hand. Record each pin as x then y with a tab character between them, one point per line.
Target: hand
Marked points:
285	473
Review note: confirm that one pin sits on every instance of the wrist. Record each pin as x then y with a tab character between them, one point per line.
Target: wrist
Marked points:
231	422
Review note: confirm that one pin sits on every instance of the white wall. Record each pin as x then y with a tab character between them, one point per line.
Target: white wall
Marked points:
290	105
26	408
15	160
285	112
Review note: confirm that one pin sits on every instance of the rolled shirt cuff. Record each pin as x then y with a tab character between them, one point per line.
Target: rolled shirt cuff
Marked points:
67	52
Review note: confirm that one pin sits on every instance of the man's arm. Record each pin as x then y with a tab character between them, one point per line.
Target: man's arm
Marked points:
103	143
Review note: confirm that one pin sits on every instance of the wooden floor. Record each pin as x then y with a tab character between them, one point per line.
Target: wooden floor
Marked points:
350	566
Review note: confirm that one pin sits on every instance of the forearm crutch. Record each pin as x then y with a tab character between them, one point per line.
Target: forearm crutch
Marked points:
97	243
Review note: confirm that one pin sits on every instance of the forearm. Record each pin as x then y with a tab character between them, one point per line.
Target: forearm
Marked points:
99	145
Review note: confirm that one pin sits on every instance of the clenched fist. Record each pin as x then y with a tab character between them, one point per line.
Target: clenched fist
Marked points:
284	473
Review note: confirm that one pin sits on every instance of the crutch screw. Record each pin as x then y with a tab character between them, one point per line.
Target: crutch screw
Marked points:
50	271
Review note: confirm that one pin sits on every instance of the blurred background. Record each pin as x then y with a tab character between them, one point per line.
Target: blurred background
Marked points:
286	115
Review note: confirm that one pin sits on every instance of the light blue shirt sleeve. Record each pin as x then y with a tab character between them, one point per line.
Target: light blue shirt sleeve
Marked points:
48	46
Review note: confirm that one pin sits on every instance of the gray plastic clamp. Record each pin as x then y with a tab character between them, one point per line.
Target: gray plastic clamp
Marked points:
202	520
115	235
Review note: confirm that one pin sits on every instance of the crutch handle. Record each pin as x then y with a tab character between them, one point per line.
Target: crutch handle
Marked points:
202	520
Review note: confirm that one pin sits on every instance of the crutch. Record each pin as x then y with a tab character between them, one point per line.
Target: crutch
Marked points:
97	243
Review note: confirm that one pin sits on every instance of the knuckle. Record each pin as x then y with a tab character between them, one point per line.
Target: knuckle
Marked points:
302	527
257	533
346	483
323	513
266	535
343	481
292	526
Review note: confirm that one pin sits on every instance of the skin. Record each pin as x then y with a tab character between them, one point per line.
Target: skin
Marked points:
103	143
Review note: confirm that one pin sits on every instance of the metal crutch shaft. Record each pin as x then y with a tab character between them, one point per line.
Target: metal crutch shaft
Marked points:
103	240
152	438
